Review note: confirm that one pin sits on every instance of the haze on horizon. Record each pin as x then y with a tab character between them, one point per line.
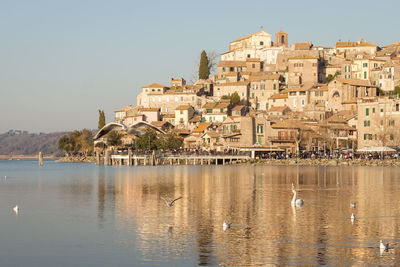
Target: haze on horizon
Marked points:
62	61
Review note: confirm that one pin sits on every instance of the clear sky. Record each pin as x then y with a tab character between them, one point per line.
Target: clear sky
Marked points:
60	61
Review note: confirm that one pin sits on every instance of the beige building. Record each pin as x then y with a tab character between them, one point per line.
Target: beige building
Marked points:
167	100
262	87
303	69
298	98
227	89
344	93
215	112
238	131
378	122
351	49
183	114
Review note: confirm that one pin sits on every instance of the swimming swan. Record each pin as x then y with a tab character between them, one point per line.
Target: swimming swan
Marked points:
298	202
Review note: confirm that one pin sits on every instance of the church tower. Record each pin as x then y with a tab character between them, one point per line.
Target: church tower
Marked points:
281	39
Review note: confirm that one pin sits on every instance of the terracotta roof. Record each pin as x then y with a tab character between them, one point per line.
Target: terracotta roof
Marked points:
159	123
290	124
169	115
231	63
234	84
356	82
209	105
238	107
150	109
352	44
202	127
342	116
212	134
195	119
155	85
278	96
303	57
255	78
183	107
253	59
302	45
222	105
278	109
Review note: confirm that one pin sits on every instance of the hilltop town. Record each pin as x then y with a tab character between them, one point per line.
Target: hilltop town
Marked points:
293	97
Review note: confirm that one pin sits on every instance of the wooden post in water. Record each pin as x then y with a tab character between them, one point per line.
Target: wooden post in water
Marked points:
40	158
107	157
97	158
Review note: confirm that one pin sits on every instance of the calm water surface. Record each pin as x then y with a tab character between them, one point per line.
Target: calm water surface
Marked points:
86	215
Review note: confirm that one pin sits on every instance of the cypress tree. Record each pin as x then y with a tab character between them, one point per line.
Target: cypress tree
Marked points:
102	119
204	69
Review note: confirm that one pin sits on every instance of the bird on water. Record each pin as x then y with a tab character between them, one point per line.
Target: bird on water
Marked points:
296	202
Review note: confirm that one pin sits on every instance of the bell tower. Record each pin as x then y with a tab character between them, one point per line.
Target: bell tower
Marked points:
281	39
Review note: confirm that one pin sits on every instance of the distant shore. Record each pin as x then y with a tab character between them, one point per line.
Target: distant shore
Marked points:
19	157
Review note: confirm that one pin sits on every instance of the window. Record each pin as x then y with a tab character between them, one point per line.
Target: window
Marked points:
260	128
302	102
239	69
252	95
391	123
223	69
365	65
221	110
294	103
274	86
365	75
209	110
253	66
248	55
391	137
261	43
231	69
367	123
314	64
381	110
367	112
181	112
373	110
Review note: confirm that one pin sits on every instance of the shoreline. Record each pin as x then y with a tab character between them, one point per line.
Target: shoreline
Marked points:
20	157
280	162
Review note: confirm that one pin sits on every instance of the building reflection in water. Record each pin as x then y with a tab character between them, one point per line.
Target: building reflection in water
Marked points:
256	199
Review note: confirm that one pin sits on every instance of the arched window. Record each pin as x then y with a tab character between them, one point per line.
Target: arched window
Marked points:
282	39
336	94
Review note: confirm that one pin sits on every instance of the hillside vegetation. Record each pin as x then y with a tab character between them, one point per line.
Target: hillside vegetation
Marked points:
30	144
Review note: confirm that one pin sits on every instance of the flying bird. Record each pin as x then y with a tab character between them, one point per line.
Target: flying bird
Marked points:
170	204
226	226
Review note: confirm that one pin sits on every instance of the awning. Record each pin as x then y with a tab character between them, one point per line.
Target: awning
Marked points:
376	149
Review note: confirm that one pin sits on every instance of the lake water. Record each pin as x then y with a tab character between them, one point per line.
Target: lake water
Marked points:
74	214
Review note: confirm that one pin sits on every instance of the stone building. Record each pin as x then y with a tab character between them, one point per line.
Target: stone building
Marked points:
303	69
183	114
378	122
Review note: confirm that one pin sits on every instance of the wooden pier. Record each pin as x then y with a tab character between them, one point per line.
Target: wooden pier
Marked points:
153	160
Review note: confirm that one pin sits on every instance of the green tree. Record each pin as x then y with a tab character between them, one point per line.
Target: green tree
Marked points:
235	98
396	90
204	68
65	143
114	138
102	119
149	140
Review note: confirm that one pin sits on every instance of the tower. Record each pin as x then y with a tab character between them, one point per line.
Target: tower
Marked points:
281	39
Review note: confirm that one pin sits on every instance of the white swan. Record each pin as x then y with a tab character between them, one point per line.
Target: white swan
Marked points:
383	246
352	217
296	201
226	225
16	209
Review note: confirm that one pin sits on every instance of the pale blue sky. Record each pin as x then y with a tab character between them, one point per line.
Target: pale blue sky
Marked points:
60	61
